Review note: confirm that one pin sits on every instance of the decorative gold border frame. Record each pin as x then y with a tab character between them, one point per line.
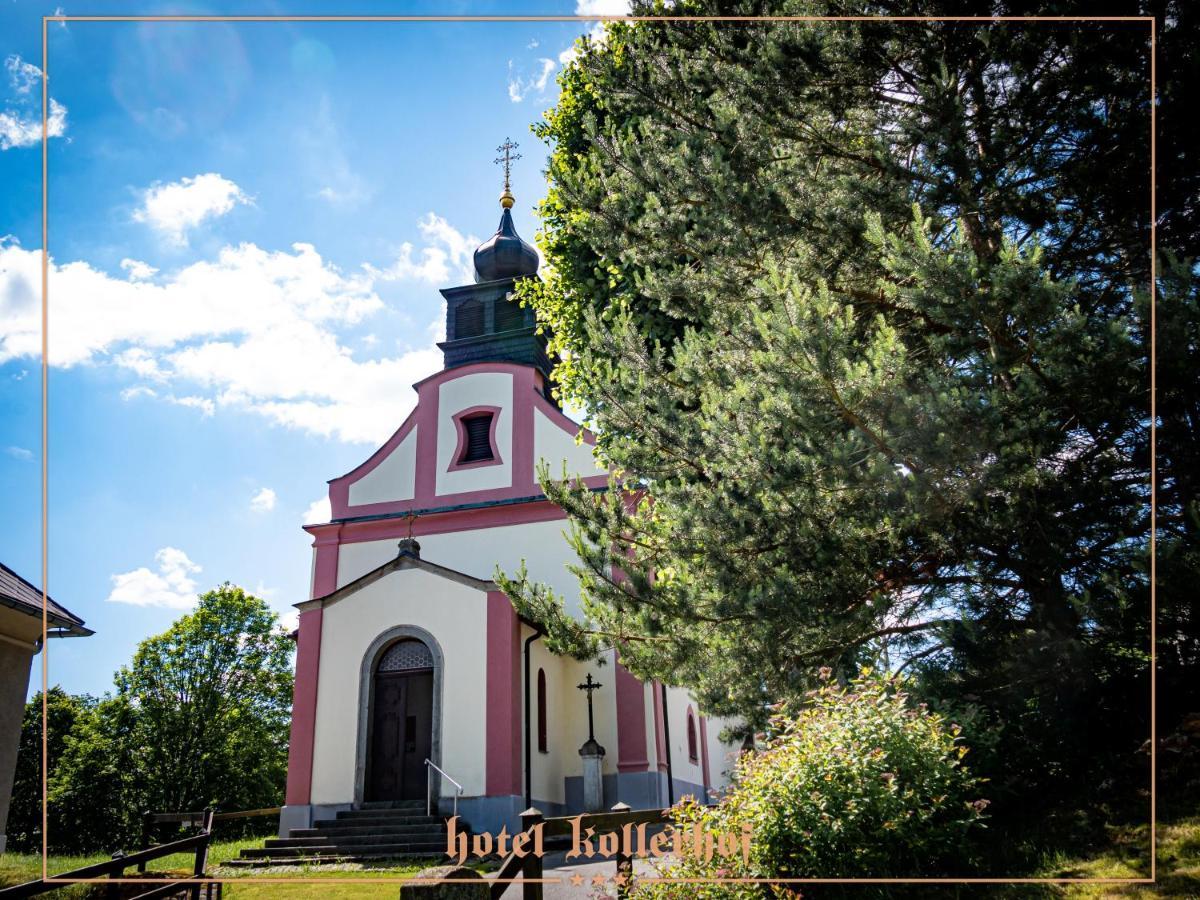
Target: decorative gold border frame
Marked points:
1151	21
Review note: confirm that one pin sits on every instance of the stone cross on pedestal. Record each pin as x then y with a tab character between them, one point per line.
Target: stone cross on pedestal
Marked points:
593	755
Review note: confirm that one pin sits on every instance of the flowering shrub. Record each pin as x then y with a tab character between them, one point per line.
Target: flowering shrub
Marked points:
860	782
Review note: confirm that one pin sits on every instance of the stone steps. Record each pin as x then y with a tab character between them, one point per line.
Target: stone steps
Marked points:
373	831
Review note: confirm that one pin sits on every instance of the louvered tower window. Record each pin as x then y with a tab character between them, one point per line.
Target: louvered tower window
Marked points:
509	315
479	438
468	320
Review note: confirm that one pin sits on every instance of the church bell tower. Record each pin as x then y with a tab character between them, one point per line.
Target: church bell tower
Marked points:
484	322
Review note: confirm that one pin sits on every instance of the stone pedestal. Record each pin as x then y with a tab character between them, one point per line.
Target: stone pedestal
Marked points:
592	755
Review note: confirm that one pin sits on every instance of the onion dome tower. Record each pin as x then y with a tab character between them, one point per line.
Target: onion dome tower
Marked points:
484	323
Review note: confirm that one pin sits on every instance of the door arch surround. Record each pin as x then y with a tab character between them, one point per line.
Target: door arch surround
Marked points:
366	701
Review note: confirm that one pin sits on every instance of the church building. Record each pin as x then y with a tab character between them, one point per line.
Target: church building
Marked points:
413	669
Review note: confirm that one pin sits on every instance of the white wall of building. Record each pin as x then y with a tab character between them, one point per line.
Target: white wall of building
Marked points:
721	756
555	447
477	552
395	478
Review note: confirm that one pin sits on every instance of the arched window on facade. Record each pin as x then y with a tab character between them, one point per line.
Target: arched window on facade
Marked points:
693	753
541	711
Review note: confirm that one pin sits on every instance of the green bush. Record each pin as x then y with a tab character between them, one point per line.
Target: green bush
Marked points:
859	783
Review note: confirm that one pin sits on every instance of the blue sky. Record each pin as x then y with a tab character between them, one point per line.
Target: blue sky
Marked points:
248	227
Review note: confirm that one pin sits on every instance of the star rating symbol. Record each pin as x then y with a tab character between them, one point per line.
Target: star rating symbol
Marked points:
620	878
598	879
577	879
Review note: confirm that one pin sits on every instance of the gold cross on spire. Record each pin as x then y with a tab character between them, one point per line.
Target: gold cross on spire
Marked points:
507	159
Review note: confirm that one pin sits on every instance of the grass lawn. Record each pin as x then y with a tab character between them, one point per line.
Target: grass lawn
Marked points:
16	868
1178	863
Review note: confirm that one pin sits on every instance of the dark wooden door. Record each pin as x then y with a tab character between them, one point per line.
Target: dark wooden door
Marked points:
401	735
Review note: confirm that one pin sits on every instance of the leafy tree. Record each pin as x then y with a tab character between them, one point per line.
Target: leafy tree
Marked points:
64	711
199	718
209	701
860	782
854	308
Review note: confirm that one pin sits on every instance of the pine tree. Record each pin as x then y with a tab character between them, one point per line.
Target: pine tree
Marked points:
854	308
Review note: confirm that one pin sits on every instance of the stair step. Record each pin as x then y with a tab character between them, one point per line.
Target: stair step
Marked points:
295	841
334	832
357	840
432	848
258	862
379	816
393	804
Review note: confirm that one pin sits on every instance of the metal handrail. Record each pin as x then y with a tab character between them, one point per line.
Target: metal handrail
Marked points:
429	766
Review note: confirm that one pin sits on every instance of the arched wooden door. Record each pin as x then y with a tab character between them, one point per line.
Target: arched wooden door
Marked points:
401	722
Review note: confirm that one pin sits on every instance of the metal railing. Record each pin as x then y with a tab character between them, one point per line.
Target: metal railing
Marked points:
430	765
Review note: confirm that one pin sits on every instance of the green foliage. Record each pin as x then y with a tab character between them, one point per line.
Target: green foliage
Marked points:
212	696
858	306
859	782
199	719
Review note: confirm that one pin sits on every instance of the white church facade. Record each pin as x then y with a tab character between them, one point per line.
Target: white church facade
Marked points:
407	652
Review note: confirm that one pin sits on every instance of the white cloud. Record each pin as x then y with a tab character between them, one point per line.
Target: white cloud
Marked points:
520	87
323	156
25	131
174	209
138	270
447	255
601	7
318	512
195	335
22	76
19	452
263	501
204	404
172	586
140	390
289	620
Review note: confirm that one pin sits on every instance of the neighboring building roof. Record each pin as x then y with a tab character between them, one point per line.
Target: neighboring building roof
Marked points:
21	595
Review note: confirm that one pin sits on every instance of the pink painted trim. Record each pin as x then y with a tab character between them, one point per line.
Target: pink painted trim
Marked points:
503	691
326	539
660	740
454	520
450	374
704	755
631	723
524	396
304	709
461	428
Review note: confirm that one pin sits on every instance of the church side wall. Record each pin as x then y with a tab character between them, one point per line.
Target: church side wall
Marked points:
721	756
456	616
688	775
